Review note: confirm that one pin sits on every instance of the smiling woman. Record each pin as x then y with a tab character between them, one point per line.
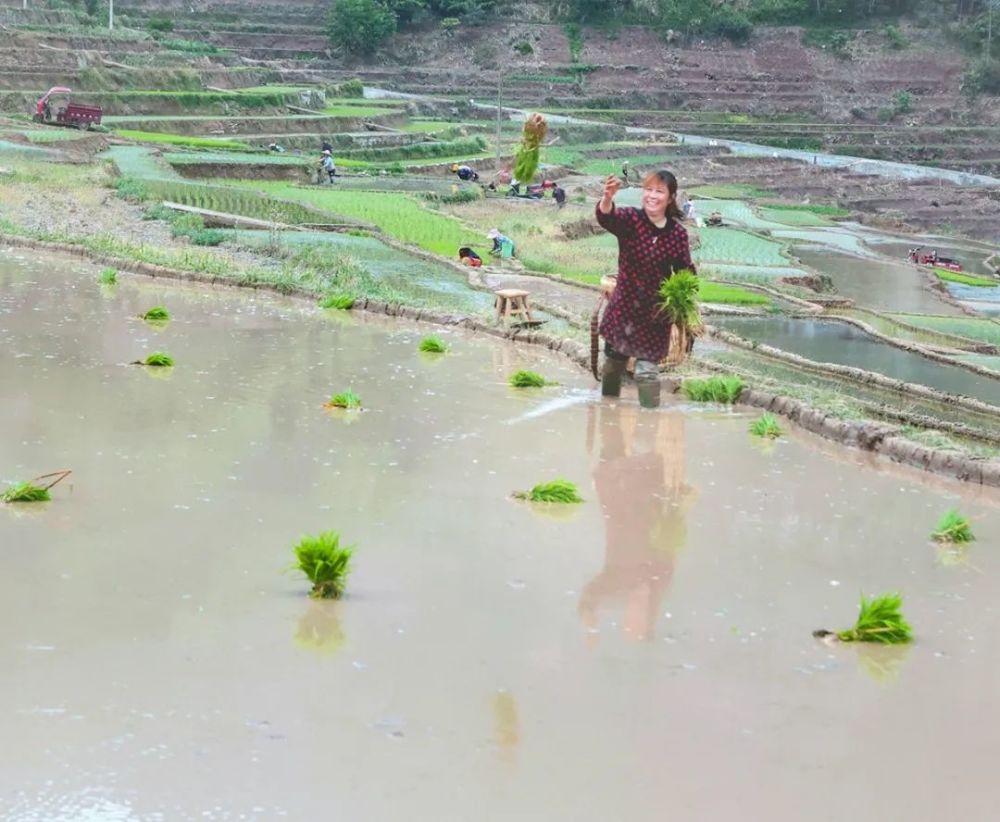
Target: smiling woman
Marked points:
652	245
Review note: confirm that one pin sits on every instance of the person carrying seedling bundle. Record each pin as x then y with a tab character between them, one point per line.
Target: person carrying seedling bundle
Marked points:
328	165
652	245
469	257
503	246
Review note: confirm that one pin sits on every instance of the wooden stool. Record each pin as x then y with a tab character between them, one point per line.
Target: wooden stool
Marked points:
511	302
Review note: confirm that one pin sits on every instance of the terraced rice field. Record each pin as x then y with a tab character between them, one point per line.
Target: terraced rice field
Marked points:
886	326
833	238
729	245
141	162
793	216
398	215
984	330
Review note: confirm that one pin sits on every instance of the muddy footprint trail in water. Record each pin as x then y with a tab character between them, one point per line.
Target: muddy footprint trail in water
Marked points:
492	659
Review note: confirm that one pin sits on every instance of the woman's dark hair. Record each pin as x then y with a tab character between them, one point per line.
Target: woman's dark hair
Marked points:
666	178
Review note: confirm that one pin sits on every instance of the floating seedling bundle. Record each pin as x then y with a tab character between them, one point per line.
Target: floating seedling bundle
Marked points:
34	490
345	399
766	426
527	379
156	360
108	277
559	491
529	152
433	345
679	301
157	314
325	562
953	528
714	389
879	620
341	302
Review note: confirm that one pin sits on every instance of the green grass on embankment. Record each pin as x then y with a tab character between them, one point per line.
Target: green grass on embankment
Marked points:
182	140
711	292
965	279
972	328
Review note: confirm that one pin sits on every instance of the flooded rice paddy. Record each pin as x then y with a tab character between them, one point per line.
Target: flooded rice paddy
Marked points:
491	660
844	344
879	284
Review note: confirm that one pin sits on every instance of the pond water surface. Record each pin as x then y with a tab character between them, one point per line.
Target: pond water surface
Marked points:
844	344
876	284
491	661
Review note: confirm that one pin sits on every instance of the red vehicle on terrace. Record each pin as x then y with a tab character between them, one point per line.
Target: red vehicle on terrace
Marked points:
920	257
76	115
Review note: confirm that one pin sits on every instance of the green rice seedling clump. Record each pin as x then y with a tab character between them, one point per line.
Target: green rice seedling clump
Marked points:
715	389
879	620
159	360
341	302
527	379
953	527
766	425
157	314
559	490
325	562
108	277
433	345
25	492
679	299
345	399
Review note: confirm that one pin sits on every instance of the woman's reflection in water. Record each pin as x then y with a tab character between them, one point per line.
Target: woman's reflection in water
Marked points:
645	500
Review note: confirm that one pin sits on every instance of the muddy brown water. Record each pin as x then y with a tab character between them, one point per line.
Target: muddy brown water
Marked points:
647	653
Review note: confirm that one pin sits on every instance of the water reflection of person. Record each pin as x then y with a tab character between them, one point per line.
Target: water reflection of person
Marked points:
644	500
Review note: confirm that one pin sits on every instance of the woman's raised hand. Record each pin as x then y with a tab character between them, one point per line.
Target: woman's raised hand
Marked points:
612	185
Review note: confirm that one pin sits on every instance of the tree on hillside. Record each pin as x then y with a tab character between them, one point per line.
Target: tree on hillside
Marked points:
361	26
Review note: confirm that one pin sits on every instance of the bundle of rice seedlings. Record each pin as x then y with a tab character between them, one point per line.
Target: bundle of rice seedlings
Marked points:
879	620
527	379
34	490
715	389
108	277
679	301
559	490
529	152
953	527
25	492
325	563
433	345
341	302
766	425
345	399
156	314
158	360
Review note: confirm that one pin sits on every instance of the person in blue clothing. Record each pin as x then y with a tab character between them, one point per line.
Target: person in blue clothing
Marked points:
503	246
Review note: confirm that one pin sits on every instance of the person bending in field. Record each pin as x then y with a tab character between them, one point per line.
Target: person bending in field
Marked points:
652	245
469	257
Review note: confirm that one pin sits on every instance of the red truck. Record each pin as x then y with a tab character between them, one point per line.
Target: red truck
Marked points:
76	115
918	256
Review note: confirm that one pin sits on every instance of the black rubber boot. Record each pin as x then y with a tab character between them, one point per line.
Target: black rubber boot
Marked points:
649	393
611	377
